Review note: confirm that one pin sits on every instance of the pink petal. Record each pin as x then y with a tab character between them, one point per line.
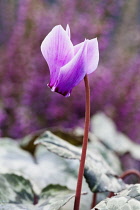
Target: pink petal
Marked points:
72	73
57	50
92	58
92	55
77	47
68	30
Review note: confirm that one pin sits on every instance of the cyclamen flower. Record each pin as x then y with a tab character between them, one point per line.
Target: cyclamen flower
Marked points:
68	64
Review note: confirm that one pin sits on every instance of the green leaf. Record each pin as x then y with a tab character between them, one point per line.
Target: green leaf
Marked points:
109	156
128	199
15	160
47	169
105	129
95	145
99	176
15	189
58	146
57	170
27	143
42	170
69	136
54	197
16	193
54	169
17	207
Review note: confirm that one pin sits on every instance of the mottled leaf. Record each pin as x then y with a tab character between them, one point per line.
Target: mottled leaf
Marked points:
128	199
58	146
54	169
54	197
105	129
95	145
99	176
15	160
46	169
12	157
66	170
16	193
27	143
15	189
18	207
109	156
69	136
42	170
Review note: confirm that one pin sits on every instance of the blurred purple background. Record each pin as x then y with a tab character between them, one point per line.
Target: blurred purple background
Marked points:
27	104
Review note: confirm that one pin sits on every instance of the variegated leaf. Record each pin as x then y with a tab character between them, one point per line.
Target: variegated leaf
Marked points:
16	193
54	197
99	176
128	199
105	129
15	189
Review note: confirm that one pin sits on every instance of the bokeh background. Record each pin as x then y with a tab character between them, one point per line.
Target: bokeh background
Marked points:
27	104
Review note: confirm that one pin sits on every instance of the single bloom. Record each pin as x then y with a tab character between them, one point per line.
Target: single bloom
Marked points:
68	64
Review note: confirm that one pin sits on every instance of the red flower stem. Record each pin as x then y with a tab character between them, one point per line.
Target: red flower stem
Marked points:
84	146
130	172
94	200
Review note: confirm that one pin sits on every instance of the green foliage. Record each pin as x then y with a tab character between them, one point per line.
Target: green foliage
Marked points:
40	172
126	199
55	196
105	129
16	193
98	174
15	189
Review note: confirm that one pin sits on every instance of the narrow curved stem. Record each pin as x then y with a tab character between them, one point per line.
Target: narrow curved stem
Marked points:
94	200
125	174
111	194
131	172
84	146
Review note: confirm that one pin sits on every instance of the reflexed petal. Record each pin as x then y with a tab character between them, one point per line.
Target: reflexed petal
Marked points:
73	72
92	54
68	30
57	50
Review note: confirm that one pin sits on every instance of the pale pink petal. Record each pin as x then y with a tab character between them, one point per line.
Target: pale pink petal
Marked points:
77	47
57	50
92	55
68	30
73	72
92	58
